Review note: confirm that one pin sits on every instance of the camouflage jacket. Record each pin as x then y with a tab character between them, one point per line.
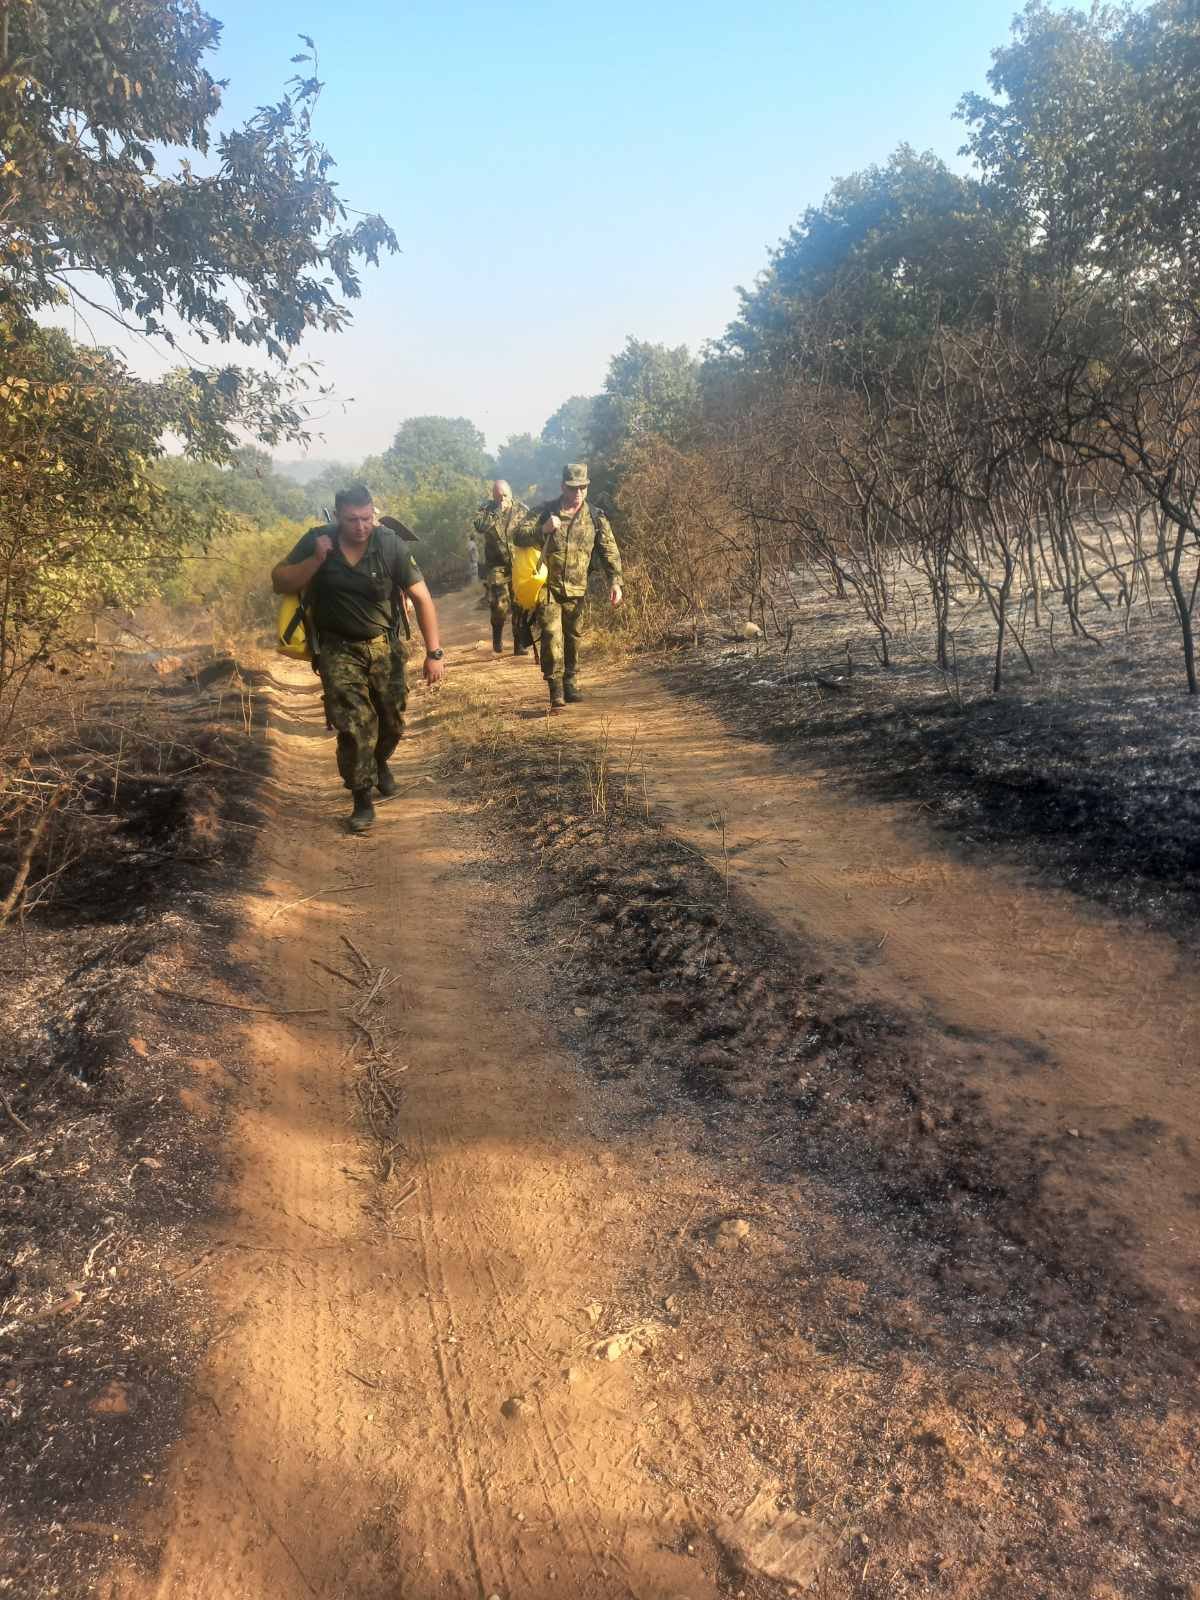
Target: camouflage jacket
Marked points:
568	552
495	525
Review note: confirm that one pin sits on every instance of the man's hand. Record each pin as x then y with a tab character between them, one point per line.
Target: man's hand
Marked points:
551	525
434	671
617	595
321	548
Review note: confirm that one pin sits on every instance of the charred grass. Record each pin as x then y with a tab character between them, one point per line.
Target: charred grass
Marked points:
109	1098
913	1340
1085	769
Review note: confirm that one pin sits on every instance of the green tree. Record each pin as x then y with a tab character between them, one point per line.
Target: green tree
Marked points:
650	390
568	433
1093	137
524	461
892	252
437	452
248	487
103	112
83	521
533	464
441	519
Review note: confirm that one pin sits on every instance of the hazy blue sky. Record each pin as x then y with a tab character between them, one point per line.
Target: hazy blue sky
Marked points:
562	176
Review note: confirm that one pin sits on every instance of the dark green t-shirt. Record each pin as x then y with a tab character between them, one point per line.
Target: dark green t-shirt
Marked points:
355	602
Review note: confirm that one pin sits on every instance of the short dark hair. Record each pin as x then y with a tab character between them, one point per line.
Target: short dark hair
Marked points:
357	495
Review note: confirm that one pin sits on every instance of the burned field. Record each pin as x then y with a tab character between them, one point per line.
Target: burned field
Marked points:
1084	770
107	1151
890	1317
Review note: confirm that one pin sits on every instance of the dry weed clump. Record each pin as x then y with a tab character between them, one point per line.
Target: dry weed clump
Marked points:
104	787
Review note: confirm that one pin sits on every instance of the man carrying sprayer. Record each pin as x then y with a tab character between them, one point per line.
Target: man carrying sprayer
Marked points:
497	520
569	532
356	575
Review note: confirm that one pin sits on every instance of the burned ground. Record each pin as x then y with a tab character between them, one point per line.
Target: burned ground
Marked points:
108	1158
1087	774
893	1316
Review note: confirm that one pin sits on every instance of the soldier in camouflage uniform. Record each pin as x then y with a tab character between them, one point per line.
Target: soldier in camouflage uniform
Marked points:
570	533
497	519
353	576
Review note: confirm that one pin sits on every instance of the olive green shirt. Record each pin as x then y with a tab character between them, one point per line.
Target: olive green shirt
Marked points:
355	602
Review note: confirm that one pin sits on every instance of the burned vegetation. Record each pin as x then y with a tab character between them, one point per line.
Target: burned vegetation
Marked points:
1083	771
128	808
890	1316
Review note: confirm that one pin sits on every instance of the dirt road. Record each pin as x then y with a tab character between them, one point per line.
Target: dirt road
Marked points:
406	1402
1072	1024
410	1395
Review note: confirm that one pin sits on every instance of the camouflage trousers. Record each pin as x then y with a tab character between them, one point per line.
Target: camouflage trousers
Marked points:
366	690
559	626
502	606
499	599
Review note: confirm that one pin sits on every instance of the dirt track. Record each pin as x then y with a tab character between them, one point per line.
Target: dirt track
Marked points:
351	1436
1069	1019
408	1400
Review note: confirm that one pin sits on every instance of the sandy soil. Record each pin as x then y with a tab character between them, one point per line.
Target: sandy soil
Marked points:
407	1400
412	1397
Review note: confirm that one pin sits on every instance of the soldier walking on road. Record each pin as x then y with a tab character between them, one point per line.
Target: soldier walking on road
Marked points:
495	524
569	532
355	576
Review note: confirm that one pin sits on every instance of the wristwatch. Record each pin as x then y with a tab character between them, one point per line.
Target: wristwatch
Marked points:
434	655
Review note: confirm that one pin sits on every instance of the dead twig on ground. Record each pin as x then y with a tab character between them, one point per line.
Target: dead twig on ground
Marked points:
353	948
231	1005
9	904
334	888
335	972
24	1126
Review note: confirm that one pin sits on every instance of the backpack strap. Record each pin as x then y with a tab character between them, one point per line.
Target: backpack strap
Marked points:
399	609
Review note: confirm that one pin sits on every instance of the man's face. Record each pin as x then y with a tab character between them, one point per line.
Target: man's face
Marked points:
500	491
572	499
355	523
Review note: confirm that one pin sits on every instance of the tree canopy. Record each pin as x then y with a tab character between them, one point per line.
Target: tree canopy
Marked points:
106	122
650	389
118	197
433	452
892	251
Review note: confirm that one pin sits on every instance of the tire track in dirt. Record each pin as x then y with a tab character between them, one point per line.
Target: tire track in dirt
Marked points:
1075	1026
352	1436
967	1375
349	1437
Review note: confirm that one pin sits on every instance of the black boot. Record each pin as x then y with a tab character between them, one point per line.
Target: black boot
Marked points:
363	814
385	783
571	691
498	637
556	695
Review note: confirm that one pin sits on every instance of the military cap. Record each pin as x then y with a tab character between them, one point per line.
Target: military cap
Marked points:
575	475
